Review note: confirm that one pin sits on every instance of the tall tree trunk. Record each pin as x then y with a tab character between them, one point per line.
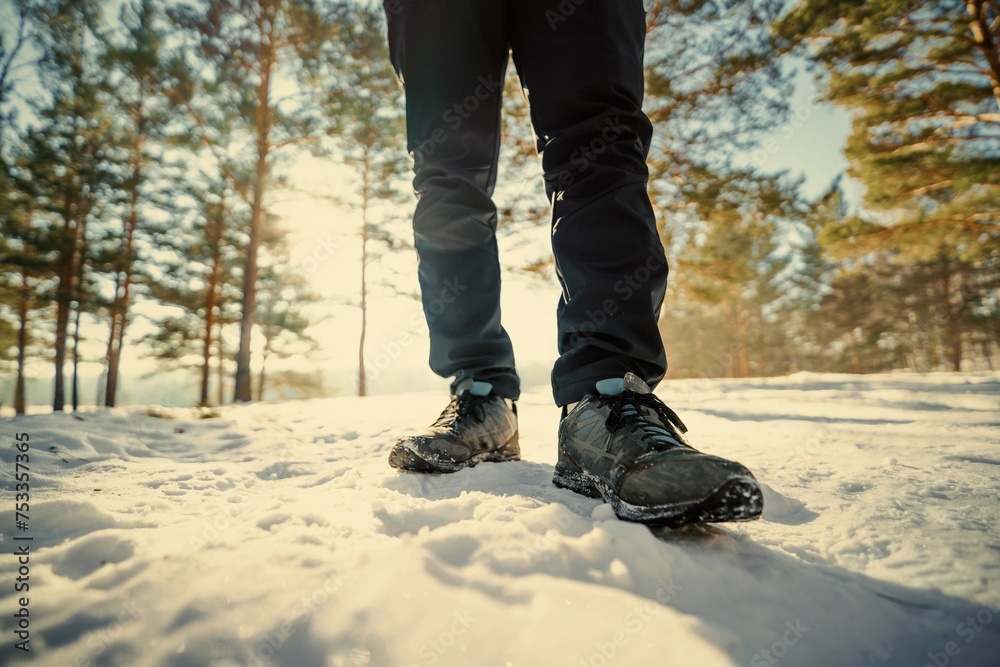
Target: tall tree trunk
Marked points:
76	357
114	363
215	236
263	126
68	275
23	308
206	362
110	351
221	368
64	293
121	305
206	354
74	214
263	366
362	386
114	357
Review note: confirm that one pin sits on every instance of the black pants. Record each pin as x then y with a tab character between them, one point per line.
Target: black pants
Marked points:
581	65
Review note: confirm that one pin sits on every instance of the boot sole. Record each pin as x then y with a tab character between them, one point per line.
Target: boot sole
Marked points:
407	460
737	499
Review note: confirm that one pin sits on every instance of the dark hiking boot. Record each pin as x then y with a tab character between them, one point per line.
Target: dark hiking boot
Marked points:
624	445
475	427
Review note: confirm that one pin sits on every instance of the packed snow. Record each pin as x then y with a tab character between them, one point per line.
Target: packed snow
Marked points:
276	534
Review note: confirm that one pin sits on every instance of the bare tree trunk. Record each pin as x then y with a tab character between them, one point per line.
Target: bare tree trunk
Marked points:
215	237
263	126
362	386
103	392
122	296
64	292
67	275
260	378
76	358
24	303
206	355
114	358
221	353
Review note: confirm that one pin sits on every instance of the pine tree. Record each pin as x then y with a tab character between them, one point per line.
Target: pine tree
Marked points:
730	268
714	86
27	257
136	62
923	82
200	280
16	280
69	150
245	47
364	108
282	317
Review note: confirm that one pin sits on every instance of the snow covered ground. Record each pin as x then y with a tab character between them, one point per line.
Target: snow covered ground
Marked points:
277	535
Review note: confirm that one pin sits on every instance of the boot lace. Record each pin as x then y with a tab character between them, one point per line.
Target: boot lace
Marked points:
461	408
626	408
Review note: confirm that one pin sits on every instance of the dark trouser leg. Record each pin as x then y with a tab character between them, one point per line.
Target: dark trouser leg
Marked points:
583	72
451	55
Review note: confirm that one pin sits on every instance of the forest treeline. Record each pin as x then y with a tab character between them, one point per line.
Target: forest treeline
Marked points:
142	143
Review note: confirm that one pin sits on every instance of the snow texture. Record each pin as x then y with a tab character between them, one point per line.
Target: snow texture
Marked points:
277	535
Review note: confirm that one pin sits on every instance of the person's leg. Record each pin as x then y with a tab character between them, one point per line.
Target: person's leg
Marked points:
451	56
584	77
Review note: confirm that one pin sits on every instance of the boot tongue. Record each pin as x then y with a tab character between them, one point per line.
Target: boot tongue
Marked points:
615	386
481	388
474	387
634	383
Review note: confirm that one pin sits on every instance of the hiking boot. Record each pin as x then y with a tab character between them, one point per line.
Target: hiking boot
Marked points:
474	427
625	446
